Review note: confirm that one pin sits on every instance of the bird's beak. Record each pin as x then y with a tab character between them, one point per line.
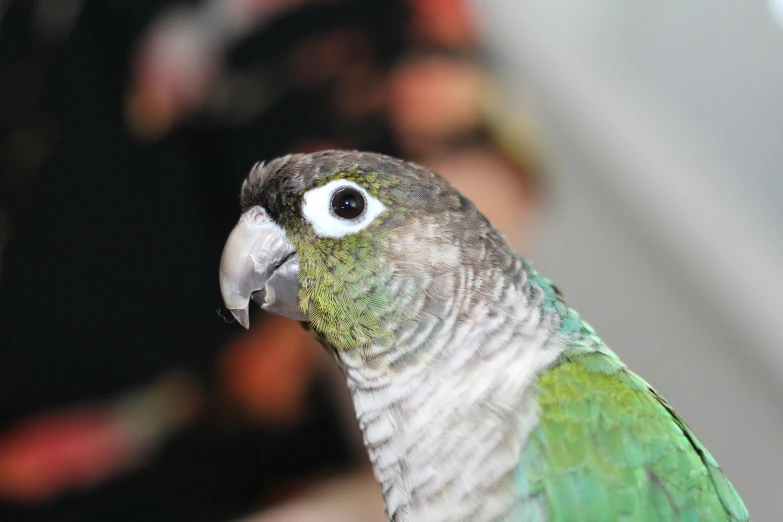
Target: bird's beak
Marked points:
261	264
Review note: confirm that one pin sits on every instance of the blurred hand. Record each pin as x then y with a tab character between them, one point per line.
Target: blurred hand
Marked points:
496	187
434	100
180	59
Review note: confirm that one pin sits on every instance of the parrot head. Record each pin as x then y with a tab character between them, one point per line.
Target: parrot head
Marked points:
364	248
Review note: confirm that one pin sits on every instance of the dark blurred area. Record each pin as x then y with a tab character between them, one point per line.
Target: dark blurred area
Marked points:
126	129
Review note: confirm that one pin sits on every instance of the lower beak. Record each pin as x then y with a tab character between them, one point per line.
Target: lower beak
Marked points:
259	263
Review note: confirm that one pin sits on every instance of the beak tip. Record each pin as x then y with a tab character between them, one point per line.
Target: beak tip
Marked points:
242	315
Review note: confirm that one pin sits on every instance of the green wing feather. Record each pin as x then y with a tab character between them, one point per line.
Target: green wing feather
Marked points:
608	447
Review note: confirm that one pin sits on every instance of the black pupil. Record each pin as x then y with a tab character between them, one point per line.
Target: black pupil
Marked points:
348	203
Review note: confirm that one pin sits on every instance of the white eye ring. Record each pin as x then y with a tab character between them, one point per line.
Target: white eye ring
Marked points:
317	210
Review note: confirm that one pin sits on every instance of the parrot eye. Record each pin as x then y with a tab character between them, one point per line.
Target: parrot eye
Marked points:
348	203
339	208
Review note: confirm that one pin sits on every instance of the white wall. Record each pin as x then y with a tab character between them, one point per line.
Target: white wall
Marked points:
664	227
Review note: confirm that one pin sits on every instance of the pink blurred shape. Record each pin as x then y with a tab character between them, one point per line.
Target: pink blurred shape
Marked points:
56	451
45	455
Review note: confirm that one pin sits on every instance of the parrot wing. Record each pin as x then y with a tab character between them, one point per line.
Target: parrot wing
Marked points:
608	447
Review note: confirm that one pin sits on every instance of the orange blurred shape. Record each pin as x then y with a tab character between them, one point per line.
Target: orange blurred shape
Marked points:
56	451
434	99
268	370
442	22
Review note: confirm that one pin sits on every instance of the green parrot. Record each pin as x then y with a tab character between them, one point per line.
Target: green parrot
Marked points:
480	394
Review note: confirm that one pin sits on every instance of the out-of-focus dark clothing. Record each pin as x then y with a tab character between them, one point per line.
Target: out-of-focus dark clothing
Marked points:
109	273
110	244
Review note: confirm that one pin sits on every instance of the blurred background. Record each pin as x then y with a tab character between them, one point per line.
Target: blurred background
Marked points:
632	151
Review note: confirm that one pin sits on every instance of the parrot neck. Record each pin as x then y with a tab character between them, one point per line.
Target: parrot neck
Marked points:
444	424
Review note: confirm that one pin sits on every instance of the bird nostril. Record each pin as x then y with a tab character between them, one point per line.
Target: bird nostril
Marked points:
259	215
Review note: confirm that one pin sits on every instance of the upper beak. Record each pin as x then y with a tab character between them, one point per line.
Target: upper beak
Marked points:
259	263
